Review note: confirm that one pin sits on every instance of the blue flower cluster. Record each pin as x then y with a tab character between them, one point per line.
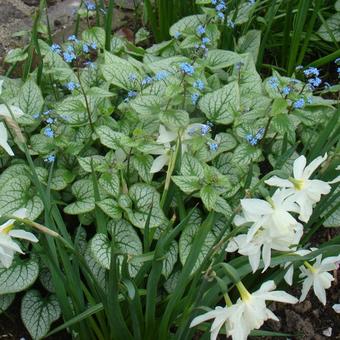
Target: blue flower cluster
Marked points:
199	85
200	30
299	104
90	6
147	80
203	130
73	38
187	69
56	48
161	75
312	74
50	158
48	132
337	62
286	90
69	54
194	98
273	82
253	140
220	7
212	146
71	85
177	35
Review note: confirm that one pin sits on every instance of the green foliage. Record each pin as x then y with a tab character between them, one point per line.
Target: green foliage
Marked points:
138	171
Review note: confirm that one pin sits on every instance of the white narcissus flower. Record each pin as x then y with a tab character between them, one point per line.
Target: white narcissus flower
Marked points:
162	159
336	307
290	272
7	246
274	215
263	242
166	137
317	276
16	111
3	139
249	312
220	316
305	192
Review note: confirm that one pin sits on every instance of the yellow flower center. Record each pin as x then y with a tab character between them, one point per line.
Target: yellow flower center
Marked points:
309	266
298	183
8	228
245	295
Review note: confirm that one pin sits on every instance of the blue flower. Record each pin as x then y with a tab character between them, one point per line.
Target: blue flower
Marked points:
205	40
50	159
311	71
49	120
194	98
198	84
132	77
186	68
132	94
71	86
72	38
286	90
147	80
315	82
86	48
46	113
70	49
220	15
273	82
69	57
213	2
260	133
55	48
253	141
36	116
93	45
90	6
213	146
249	137
200	30
177	35
205	129
338	70
337	60
239	65
299	104
48	132
160	75
220	7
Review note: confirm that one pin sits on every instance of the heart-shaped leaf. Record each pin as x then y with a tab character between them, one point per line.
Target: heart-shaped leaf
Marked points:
38	313
19	276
